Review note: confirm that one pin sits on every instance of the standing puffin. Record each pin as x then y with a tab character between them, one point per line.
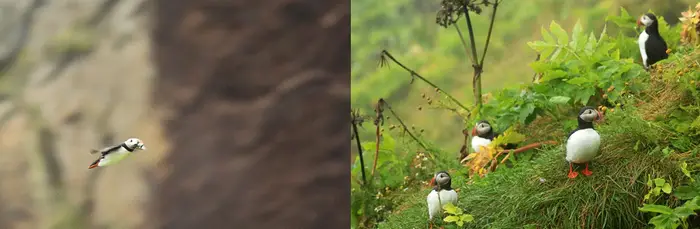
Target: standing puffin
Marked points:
651	45
583	143
483	135
441	194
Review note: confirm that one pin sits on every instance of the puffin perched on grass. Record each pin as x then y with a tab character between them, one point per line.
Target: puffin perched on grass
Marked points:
441	194
483	135
651	45
583	143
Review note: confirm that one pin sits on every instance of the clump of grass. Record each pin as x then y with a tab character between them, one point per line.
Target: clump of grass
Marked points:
539	194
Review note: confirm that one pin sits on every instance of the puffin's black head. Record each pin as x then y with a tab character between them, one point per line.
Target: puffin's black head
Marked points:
482	129
442	180
647	19
588	114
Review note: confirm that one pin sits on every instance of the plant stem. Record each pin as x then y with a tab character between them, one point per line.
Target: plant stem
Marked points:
378	109
359	148
413	73
488	36
476	78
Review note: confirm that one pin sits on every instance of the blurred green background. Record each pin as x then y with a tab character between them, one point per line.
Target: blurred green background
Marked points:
407	29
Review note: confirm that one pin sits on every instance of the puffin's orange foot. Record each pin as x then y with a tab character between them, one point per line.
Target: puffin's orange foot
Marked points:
573	175
587	172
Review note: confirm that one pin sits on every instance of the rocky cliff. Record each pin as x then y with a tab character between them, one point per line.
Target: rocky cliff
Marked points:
259	93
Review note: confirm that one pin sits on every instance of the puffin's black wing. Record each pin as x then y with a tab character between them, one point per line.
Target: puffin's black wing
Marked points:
655	47
110	149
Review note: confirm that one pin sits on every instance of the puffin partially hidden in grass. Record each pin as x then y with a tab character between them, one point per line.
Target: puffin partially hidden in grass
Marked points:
651	45
483	135
441	194
583	143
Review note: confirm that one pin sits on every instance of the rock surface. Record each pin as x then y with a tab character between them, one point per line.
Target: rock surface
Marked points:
258	100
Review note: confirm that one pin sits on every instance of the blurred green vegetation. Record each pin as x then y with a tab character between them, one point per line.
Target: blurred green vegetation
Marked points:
407	29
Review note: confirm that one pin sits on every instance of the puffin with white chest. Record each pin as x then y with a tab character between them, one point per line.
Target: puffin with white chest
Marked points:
651	45
583	143
441	195
483	135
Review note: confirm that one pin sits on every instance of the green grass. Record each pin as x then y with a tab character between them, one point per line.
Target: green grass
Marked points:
516	197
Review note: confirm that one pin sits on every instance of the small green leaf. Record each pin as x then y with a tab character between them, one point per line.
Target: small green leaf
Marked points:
656	209
451	218
664	221
450	208
559	99
460	223
466	218
666	188
559	33
656	191
578	37
659	182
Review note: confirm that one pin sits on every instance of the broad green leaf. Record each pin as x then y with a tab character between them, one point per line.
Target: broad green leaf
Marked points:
460	223
550	75
683	212
559	99
604	33
559	33
685	192
663	221
466	218
508	136
656	190
578	81
666	188
656	209
451	218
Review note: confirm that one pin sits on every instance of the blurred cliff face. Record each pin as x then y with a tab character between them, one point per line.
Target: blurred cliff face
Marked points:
259	97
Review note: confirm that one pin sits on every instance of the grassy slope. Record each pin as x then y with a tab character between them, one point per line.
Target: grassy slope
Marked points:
512	198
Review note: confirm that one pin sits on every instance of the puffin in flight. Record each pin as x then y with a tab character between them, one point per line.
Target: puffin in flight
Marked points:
583	143
651	45
114	154
441	195
483	135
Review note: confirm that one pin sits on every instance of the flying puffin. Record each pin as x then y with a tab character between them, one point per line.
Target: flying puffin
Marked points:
113	154
583	143
483	135
441	194
651	45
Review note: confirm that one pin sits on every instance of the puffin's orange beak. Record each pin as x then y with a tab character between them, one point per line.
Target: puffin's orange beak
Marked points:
600	117
474	131
639	23
432	182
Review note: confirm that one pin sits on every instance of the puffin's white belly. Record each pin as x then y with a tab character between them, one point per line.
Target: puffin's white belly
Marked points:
114	158
641	41
477	142
582	146
444	197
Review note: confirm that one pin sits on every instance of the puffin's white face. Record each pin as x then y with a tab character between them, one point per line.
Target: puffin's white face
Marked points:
135	143
482	128
645	20
442	178
589	115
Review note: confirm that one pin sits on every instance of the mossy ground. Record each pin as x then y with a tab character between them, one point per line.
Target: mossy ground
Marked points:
536	193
